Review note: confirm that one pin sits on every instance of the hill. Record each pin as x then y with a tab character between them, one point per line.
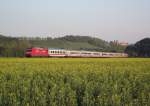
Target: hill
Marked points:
76	43
70	42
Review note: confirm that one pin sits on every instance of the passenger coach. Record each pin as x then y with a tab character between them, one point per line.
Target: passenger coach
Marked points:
52	52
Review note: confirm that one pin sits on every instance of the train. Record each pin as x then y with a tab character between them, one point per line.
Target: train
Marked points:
56	52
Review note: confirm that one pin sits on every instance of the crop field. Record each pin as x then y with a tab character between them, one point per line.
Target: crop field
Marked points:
74	82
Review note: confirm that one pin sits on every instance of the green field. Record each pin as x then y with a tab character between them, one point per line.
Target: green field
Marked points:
74	82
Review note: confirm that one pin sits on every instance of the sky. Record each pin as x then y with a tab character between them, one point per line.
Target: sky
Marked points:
123	20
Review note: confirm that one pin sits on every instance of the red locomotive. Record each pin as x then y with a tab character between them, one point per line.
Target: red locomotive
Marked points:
37	52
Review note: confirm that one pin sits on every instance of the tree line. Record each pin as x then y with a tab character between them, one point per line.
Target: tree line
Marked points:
12	47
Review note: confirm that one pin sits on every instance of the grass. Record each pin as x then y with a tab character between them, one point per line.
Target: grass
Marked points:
74	81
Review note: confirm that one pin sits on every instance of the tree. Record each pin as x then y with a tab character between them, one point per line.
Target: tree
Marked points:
143	47
140	49
131	51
